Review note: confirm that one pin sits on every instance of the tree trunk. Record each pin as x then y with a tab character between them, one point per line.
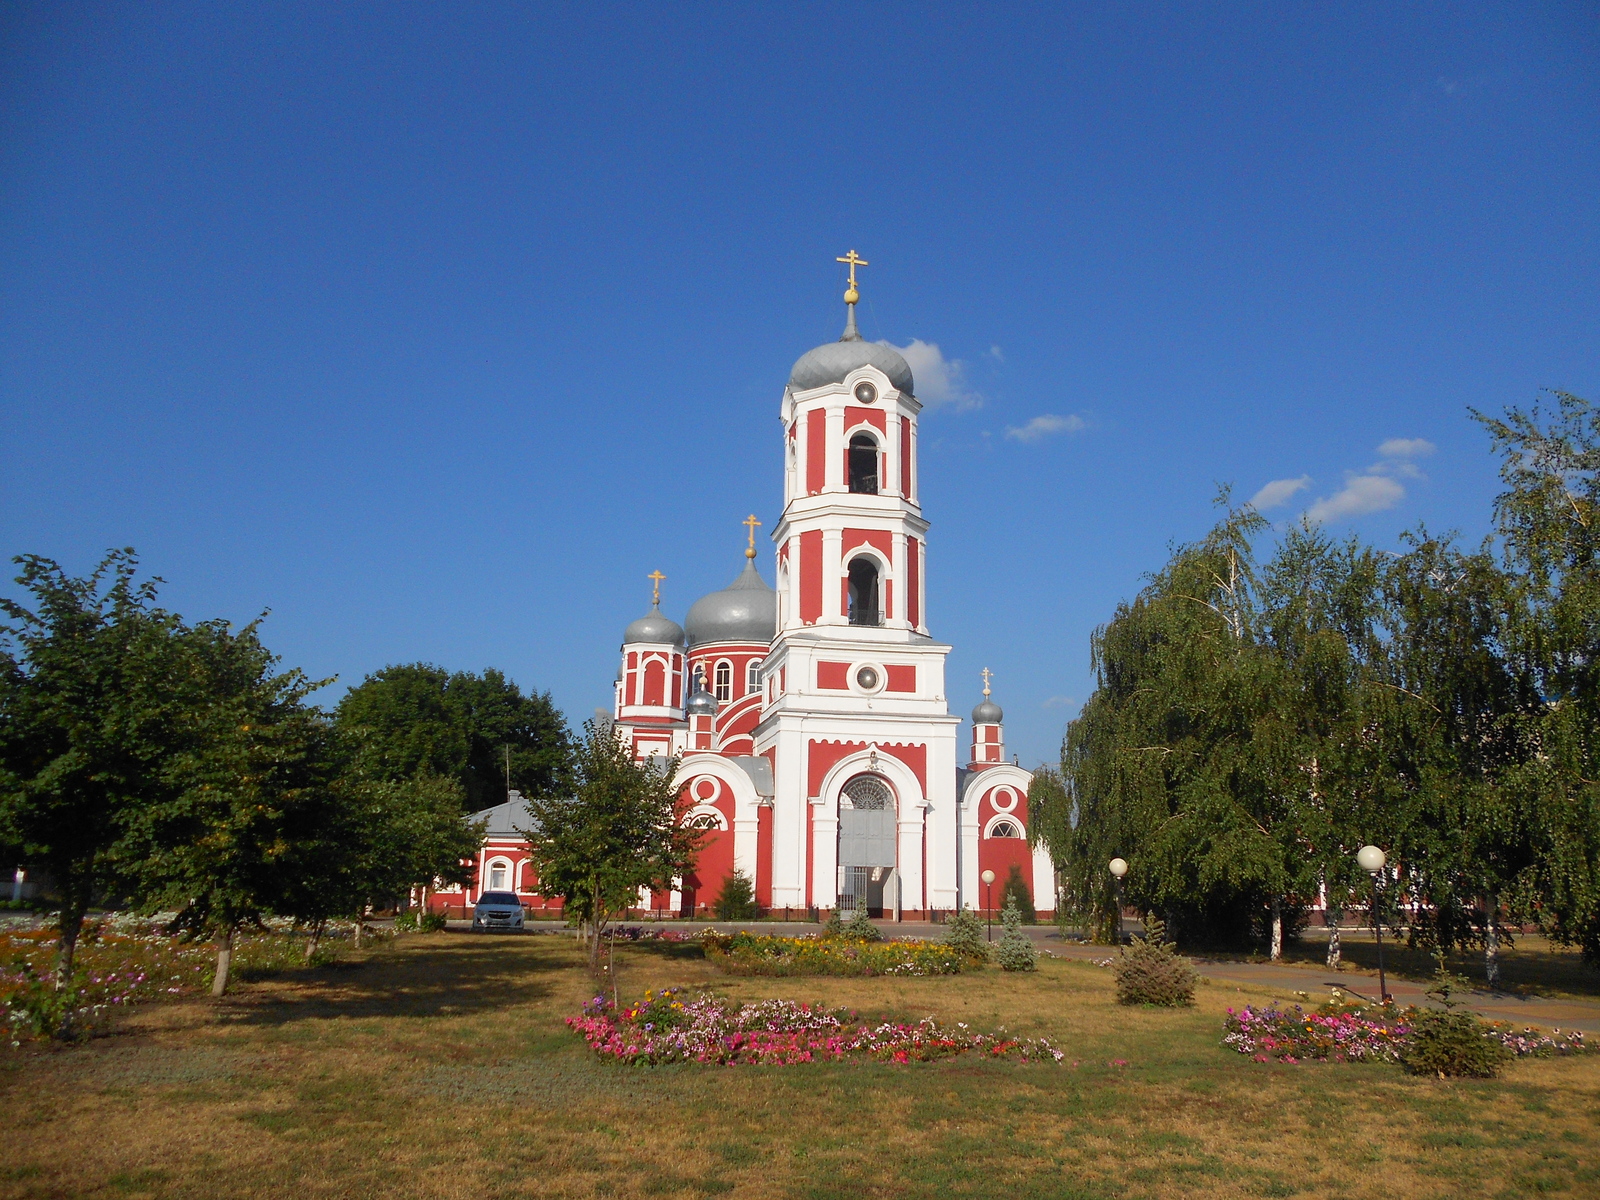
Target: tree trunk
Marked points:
1491	943
219	985
70	925
314	940
1335	951
361	918
1277	929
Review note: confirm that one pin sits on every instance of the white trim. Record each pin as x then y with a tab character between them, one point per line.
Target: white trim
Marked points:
1005	818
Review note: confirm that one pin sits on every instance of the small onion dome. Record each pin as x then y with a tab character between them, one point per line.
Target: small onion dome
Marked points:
832	361
987	713
744	611
654	628
702	704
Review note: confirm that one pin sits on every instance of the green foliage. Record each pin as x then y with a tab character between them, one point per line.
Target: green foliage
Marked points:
413	920
737	899
1016	951
616	828
1151	971
833	927
40	1009
1016	893
416	720
1450	1043
860	927
964	935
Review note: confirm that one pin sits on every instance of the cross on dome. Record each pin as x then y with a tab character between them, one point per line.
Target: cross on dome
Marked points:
986	673
851	295
657	576
750	523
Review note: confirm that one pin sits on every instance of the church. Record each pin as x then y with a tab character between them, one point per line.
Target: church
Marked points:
816	743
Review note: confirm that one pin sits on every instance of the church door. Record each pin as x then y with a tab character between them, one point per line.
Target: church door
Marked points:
866	843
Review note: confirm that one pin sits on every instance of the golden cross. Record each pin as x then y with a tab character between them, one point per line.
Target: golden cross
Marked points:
656	575
985	673
750	522
855	260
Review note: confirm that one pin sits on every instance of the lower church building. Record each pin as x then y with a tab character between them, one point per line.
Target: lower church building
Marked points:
816	741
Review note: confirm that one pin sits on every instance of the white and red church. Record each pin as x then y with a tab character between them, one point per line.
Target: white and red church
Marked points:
817	746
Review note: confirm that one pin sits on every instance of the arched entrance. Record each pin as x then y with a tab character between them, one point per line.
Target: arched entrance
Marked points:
867	857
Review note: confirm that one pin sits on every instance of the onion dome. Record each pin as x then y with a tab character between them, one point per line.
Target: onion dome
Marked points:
744	611
987	713
832	361
702	704
655	628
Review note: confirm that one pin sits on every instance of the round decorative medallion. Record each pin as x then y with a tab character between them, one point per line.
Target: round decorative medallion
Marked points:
866	393
867	679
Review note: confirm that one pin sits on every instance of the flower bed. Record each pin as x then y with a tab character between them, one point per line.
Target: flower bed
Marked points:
667	1026
122	961
758	954
1353	1032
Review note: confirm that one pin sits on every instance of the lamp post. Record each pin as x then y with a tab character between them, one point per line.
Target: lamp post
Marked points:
1371	860
988	900
1118	868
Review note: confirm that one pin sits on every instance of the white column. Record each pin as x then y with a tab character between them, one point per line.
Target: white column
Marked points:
832	574
834	476
902	593
909	851
825	855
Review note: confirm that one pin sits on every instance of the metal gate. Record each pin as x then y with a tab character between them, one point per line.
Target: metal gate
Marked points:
867	851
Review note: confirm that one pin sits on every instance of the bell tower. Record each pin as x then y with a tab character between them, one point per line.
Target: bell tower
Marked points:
853	672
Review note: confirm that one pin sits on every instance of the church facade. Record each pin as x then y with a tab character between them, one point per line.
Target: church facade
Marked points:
811	719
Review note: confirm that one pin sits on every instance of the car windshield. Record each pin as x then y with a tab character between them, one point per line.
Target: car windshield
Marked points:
498	898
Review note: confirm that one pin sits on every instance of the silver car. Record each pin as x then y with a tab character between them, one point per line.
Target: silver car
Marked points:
497	910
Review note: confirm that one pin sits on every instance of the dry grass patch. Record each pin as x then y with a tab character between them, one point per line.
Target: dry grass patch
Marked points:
439	1066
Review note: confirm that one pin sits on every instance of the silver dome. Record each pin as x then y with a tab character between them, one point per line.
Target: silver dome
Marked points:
654	628
987	713
702	704
744	611
832	361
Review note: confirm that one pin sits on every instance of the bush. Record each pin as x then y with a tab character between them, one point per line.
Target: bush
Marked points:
964	935
1150	972
737	899
1451	1043
1016	951
833	927
1017	892
861	929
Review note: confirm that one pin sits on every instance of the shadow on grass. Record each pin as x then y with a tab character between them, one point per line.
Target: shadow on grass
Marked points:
446	975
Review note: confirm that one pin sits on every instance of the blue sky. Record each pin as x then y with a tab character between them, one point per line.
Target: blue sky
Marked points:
435	328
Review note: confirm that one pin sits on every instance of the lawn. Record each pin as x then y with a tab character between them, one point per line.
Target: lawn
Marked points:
439	1065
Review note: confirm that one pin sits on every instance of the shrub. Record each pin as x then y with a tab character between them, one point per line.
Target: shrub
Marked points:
964	935
737	899
1151	972
1452	1043
1018	893
860	927
833	927
1016	951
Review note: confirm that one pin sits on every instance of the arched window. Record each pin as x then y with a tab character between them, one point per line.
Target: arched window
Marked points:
1004	829
704	821
864	592
864	464
724	691
752	677
499	876
868	793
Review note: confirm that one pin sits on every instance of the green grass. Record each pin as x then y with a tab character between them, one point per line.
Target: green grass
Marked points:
439	1066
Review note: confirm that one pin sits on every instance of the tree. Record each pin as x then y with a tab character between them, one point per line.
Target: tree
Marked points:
93	701
616	828
737	899
417	720
250	799
1548	523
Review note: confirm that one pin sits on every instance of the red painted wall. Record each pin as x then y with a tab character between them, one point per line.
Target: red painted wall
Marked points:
901	679
816	451
913	582
811	576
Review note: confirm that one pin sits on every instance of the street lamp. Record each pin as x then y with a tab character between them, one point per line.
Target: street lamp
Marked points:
1371	860
988	899
1118	868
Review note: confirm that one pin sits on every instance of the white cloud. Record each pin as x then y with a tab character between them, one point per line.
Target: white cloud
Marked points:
1044	426
1406	448
1361	494
1060	702
1278	492
941	382
997	354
